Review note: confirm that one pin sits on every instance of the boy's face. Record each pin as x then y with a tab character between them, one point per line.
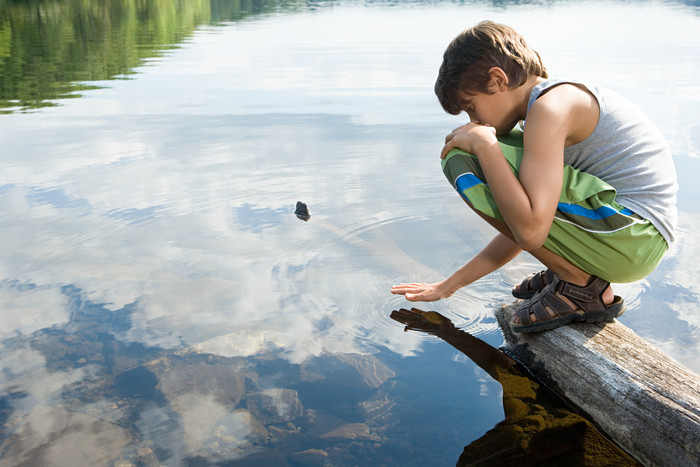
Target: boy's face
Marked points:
497	109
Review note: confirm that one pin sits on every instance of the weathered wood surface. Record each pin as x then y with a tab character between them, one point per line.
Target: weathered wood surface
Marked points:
648	403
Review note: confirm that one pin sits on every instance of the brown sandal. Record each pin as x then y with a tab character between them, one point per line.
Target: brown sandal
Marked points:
533	284
552	312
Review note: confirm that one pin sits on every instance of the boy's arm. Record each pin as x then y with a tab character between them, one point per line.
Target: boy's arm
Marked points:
495	254
528	202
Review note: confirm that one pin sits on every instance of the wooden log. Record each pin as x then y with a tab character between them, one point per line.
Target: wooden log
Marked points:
648	403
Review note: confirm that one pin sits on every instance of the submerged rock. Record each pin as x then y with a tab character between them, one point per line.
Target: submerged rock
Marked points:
261	458
374	373
50	436
310	457
275	405
349	370
225	380
351	432
379	410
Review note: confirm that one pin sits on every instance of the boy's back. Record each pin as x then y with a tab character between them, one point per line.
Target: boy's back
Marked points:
628	152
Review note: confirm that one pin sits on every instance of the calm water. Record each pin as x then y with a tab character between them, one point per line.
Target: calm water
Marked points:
160	302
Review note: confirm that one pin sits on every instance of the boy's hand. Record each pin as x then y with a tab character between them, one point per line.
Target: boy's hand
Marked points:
420	292
469	138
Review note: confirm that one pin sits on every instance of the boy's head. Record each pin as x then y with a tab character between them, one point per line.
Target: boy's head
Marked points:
470	56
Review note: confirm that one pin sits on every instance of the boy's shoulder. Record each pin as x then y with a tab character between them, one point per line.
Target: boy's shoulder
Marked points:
569	103
561	94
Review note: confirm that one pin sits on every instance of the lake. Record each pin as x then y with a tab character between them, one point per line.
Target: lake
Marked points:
162	304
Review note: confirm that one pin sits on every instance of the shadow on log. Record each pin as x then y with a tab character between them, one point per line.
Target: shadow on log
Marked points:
648	403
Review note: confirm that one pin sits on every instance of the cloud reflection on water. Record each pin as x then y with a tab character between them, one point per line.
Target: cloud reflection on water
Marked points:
169	201
227	275
220	262
197	273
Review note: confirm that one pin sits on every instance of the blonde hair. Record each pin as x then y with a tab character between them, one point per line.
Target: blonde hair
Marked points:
469	57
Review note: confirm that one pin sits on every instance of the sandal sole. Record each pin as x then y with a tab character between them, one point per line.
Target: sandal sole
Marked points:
616	309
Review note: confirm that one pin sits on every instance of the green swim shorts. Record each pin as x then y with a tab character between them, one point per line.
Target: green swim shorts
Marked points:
590	229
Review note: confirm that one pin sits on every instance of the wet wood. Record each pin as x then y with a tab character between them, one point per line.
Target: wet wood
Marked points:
648	403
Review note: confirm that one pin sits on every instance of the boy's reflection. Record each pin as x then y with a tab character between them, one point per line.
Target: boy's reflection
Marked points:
539	428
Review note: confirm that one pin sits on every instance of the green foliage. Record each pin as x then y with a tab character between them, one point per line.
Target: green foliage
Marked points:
53	49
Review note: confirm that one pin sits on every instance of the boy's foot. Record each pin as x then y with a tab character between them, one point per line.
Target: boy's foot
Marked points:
533	284
561	302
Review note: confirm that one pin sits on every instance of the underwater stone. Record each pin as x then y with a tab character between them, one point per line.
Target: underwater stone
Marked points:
226	383
275	405
373	372
310	457
48	434
351	431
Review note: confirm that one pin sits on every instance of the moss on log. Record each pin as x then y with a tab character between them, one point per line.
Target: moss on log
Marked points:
648	403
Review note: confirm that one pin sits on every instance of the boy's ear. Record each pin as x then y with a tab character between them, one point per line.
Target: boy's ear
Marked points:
498	79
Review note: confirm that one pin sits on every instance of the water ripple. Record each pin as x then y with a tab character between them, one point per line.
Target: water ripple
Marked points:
471	310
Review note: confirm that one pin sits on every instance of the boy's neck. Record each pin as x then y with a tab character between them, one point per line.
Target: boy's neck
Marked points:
524	93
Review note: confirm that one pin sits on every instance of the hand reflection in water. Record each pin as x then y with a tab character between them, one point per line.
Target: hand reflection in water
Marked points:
539	428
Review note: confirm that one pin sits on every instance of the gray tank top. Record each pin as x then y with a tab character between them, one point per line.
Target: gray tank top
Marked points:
629	153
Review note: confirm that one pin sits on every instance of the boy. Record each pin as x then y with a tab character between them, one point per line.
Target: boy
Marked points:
591	195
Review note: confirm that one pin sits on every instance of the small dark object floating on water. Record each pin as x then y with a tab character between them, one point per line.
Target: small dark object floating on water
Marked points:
302	211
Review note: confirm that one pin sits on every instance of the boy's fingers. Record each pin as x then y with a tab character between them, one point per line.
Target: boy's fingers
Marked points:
410	291
445	150
420	297
403	288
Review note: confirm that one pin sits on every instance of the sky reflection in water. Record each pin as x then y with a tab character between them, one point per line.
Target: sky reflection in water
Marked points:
149	235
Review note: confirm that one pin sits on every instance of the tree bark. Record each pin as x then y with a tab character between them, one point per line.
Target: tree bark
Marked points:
648	403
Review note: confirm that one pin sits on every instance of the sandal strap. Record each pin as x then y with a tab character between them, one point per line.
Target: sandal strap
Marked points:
537	281
538	306
525	284
588	297
533	308
555	304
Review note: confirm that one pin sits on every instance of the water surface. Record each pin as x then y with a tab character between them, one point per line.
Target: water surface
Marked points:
160	301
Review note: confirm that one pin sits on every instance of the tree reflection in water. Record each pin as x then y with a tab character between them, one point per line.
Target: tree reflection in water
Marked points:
539	427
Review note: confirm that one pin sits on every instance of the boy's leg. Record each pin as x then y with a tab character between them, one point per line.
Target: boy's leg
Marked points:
561	267
590	231
591	235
